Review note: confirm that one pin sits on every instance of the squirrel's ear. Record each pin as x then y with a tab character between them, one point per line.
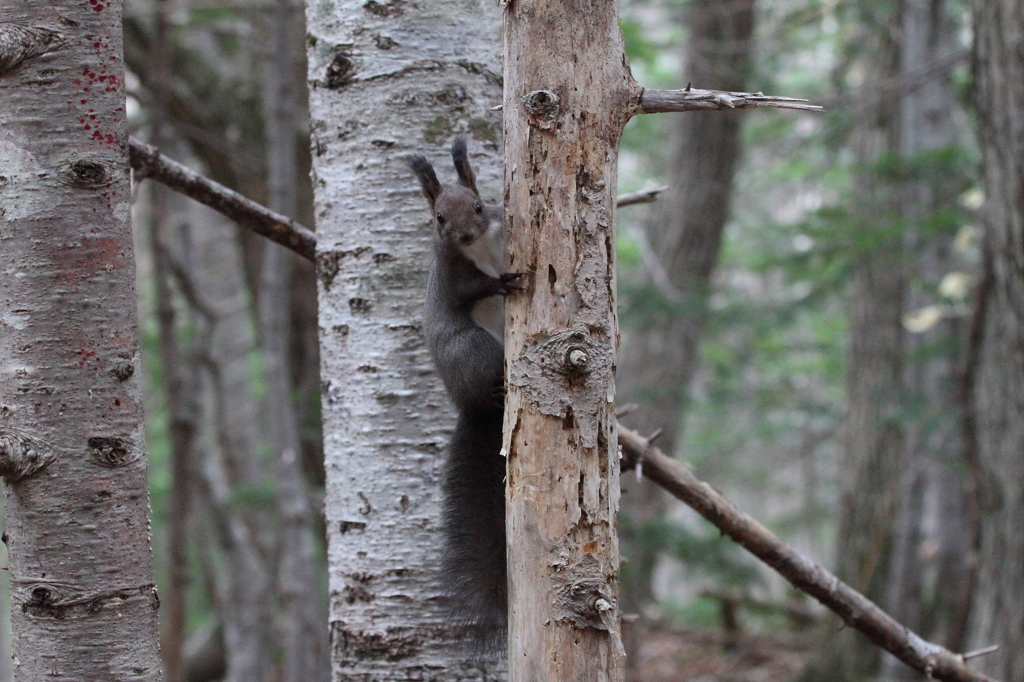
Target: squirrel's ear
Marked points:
425	172
462	167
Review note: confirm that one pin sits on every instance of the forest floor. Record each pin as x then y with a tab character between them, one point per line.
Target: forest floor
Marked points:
700	655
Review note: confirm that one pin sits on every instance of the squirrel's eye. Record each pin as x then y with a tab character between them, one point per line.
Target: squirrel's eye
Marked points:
440	219
479	208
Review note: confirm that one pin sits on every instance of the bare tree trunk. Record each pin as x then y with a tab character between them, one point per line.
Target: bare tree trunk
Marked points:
568	93
179	377
304	636
659	355
231	471
873	459
928	126
388	77
998	389
72	450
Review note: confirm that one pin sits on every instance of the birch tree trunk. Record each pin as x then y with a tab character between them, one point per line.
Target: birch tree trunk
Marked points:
385	78
998	390
568	93
72	451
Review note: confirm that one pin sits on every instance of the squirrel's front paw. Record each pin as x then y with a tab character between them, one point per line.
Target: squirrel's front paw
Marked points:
508	281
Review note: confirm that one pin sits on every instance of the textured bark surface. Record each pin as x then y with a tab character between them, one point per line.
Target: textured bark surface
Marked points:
72	450
999	383
387	78
568	94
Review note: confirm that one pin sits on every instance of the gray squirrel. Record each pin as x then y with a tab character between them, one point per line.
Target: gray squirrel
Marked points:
463	322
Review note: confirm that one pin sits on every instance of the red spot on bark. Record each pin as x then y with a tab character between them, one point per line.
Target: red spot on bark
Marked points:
117	401
88	127
84	101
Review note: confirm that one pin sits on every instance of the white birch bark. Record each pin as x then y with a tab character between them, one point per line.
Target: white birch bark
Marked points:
386	78
72	449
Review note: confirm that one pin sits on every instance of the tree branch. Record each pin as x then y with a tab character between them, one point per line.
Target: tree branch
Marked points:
148	162
855	609
646	196
694	99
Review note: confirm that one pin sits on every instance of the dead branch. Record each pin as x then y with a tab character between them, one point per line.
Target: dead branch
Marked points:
646	196
148	162
855	609
694	99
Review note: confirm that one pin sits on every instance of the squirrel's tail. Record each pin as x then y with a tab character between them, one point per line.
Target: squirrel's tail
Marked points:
473	569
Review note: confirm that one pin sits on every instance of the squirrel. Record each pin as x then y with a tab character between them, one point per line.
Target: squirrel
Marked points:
463	324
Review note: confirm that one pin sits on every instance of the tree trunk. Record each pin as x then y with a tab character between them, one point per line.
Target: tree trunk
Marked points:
659	355
304	637
179	377
231	471
873	458
568	93
72	451
385	78
998	389
928	132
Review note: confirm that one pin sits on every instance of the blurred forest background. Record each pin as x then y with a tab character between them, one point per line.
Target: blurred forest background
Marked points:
796	313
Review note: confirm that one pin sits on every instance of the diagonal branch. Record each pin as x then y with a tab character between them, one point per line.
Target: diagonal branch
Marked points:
644	196
148	162
855	609
693	99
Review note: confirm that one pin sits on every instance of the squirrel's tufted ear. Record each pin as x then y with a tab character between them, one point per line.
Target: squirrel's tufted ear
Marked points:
466	176
428	179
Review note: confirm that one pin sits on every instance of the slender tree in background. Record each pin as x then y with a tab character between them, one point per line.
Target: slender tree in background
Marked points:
304	635
659	349
178	369
72	451
998	367
873	457
386	78
926	589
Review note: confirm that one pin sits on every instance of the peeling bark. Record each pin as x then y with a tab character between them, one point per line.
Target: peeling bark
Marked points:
568	94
